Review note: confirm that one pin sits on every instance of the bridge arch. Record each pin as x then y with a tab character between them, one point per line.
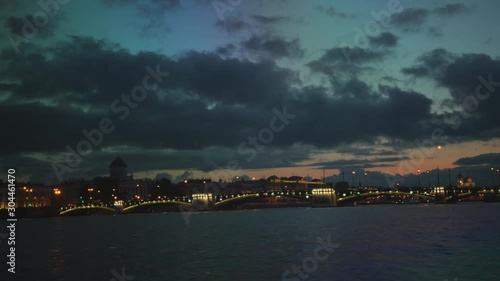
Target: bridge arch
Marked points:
237	200
152	204
470	193
361	196
85	209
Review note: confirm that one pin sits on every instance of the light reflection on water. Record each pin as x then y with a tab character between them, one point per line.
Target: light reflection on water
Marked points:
418	242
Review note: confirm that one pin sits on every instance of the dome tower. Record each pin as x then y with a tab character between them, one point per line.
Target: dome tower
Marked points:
118	170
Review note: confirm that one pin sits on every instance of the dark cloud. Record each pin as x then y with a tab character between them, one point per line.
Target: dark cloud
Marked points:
346	55
431	63
20	25
269	20
232	24
155	12
488	160
390	79
349	119
450	9
160	5
410	19
472	81
356	89
385	39
210	105
162	176
361	151
435	31
207	160
359	163
152	12
341	64
414	19
226	50
331	11
81	82
417	71
273	46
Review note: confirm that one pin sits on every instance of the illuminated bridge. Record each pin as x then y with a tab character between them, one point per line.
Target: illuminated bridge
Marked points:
317	197
198	202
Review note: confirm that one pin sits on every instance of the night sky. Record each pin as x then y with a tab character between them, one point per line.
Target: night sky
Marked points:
336	85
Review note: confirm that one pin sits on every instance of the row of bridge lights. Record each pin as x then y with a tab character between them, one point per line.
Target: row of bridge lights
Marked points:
222	197
200	196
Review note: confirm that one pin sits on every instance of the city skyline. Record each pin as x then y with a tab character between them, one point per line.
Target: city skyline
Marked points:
259	88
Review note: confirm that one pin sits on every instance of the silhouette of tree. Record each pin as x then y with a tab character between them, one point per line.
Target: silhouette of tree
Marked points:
164	187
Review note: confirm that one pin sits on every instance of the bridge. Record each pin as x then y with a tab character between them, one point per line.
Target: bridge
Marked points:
316	197
370	194
126	207
436	195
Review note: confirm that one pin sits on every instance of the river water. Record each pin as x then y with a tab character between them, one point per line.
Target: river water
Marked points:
384	242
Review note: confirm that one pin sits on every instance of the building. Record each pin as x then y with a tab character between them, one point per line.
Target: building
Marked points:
71	192
30	195
294	183
127	188
118	170
466	182
36	196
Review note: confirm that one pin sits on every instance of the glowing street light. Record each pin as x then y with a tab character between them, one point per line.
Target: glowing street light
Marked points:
418	176
498	172
57	192
353	173
492	183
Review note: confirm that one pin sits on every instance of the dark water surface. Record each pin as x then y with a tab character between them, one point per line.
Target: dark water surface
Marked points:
391	242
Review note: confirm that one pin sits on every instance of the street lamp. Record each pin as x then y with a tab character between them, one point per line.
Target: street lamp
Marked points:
353	173
90	190
366	179
498	172
439	182
492	184
418	176
57	192
429	178
439	147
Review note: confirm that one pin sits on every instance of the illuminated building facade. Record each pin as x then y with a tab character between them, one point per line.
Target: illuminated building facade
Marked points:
127	188
466	182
